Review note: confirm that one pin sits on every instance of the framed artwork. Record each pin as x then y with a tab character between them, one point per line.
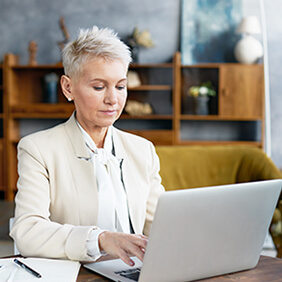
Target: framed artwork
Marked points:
208	30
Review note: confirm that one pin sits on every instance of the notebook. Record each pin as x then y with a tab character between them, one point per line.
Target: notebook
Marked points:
54	270
202	232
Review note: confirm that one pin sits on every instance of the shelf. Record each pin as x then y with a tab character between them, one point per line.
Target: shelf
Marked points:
219	118
154	117
63	111
209	142
42	110
202	65
140	66
151	87
58	66
218	65
160	137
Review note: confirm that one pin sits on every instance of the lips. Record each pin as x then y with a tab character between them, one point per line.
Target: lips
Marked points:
109	112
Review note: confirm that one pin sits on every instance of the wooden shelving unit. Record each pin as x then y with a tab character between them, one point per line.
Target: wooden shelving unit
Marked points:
239	104
2	120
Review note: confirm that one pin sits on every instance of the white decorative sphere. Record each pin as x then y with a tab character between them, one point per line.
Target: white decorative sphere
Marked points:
248	50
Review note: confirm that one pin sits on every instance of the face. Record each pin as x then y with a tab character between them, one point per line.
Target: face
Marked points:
99	93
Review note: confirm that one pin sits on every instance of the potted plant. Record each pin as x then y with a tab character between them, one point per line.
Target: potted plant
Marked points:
201	94
139	39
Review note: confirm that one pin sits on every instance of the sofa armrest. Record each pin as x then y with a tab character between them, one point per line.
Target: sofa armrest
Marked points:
256	165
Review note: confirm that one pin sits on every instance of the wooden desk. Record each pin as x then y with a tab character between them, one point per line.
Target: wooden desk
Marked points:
268	269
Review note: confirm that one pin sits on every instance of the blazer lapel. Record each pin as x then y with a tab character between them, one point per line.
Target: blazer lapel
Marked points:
76	138
128	179
83	174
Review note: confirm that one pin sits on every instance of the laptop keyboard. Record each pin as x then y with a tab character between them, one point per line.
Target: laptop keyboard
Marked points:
132	274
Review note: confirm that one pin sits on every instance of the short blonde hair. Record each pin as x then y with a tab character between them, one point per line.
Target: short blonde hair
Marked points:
93	44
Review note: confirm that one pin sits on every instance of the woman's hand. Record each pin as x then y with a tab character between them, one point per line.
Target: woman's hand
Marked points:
123	245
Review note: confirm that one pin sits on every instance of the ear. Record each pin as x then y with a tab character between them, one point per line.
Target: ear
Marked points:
66	87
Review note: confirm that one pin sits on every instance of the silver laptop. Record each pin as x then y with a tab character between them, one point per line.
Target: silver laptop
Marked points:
202	232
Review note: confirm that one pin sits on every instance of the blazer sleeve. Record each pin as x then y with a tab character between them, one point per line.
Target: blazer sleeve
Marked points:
33	231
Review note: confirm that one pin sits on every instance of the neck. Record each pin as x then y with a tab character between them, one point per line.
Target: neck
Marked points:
98	136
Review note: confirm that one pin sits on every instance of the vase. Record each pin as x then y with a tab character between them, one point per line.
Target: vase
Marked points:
201	106
51	85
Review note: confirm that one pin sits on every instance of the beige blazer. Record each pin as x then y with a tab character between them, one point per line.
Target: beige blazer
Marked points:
56	202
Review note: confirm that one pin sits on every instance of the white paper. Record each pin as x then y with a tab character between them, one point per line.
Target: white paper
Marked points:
50	269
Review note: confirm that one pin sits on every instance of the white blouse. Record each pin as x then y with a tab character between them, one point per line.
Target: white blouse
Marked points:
112	202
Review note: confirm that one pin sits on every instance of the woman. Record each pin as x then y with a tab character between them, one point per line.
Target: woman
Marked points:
86	188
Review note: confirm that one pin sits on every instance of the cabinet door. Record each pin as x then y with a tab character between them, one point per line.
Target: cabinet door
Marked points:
241	91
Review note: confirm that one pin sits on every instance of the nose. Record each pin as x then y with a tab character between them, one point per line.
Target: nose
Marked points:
111	96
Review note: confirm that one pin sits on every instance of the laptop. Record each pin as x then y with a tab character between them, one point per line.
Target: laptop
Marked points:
202	232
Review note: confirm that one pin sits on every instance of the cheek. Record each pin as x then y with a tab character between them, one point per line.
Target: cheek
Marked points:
88	102
89	97
122	99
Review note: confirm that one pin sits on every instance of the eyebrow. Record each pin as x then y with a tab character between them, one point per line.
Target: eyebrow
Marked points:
106	82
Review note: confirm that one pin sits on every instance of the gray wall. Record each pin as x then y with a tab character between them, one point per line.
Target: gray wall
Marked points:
25	20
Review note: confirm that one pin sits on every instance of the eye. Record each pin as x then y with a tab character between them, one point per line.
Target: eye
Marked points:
120	87
98	88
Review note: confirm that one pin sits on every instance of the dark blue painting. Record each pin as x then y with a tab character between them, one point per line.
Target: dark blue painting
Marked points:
208	30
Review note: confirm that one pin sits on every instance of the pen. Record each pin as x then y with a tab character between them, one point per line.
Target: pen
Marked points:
27	268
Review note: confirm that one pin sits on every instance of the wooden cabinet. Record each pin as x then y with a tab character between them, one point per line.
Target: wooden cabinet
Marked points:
236	114
2	118
241	91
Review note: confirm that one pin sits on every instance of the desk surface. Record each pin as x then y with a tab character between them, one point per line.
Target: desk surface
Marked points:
268	269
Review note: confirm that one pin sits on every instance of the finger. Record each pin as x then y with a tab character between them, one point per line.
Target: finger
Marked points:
142	236
143	250
136	248
126	258
136	251
143	246
140	241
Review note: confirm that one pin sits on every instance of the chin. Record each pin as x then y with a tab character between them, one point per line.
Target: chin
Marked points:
107	124
106	121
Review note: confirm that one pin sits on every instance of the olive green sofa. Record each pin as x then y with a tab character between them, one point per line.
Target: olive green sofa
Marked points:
197	166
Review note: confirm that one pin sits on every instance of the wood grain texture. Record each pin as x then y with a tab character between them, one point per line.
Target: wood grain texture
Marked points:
268	269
